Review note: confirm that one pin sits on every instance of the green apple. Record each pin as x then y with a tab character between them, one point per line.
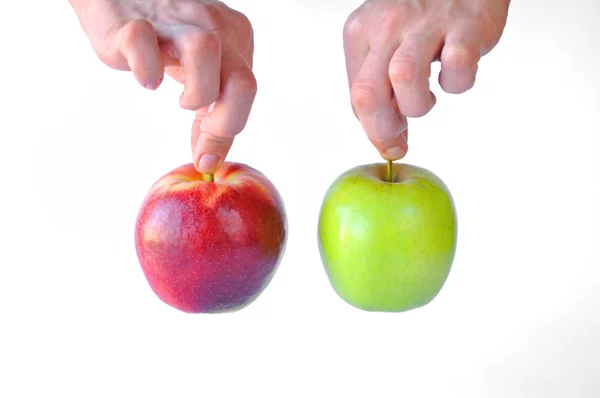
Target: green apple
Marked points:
387	236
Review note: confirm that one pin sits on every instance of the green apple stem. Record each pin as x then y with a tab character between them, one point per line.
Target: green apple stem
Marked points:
389	171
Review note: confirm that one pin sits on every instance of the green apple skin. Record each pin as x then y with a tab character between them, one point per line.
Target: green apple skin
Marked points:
387	246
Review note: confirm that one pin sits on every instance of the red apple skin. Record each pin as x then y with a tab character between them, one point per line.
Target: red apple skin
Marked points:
210	247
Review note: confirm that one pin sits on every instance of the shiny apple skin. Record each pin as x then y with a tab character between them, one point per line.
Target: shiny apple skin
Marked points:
388	246
211	247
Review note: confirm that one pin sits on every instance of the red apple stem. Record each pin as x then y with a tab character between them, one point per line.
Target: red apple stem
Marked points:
389	171
211	177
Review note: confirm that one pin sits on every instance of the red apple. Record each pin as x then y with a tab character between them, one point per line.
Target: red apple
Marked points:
210	246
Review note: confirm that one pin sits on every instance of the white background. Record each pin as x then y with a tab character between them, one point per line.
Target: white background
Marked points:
80	144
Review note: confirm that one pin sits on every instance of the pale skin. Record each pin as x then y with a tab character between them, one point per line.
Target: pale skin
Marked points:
208	47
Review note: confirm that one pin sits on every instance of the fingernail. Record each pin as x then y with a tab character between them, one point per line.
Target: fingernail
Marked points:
208	163
154	85
395	152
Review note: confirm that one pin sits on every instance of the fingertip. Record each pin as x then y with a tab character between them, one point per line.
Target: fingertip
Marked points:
395	153
394	149
210	152
154	84
138	44
459	61
454	83
385	125
208	163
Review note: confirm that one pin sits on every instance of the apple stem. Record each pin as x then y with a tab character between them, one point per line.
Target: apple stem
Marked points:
389	171
211	177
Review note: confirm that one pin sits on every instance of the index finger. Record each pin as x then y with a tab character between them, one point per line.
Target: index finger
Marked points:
217	128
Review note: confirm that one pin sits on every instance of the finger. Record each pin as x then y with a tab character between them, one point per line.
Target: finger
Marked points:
393	149
212	149
198	117
177	73
170	56
371	95
356	47
227	118
396	148
137	43
409	71
459	58
201	60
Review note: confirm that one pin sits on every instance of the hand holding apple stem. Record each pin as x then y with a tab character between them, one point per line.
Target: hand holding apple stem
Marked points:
389	46
211	177
389	171
204	45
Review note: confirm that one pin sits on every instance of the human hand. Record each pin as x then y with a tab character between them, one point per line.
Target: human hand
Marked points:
202	44
389	46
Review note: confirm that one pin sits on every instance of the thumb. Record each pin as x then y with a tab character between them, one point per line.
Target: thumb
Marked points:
393	149
395	146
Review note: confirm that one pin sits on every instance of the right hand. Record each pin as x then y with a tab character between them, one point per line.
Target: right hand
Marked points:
202	44
389	46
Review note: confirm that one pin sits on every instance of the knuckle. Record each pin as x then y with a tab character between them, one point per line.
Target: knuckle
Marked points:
404	9
391	20
246	82
221	139
404	70
353	27
489	28
363	96
460	57
390	24
242	21
135	30
244	29
198	41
